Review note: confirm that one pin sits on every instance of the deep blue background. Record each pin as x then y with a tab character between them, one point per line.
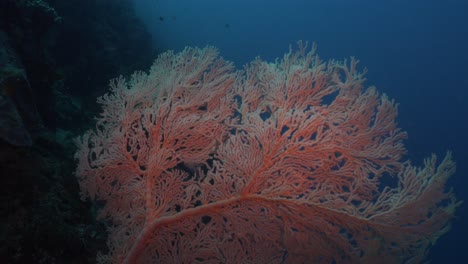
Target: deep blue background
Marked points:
416	52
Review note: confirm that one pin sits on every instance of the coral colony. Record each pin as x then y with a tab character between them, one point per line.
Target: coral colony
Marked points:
286	162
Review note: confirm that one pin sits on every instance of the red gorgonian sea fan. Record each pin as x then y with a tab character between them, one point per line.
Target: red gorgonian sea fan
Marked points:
285	162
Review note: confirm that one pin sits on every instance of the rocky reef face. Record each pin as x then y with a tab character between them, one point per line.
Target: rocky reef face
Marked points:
55	58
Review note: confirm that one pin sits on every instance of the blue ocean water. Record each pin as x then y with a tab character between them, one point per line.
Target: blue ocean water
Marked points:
415	51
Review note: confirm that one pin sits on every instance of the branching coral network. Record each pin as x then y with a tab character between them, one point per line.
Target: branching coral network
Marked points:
284	162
